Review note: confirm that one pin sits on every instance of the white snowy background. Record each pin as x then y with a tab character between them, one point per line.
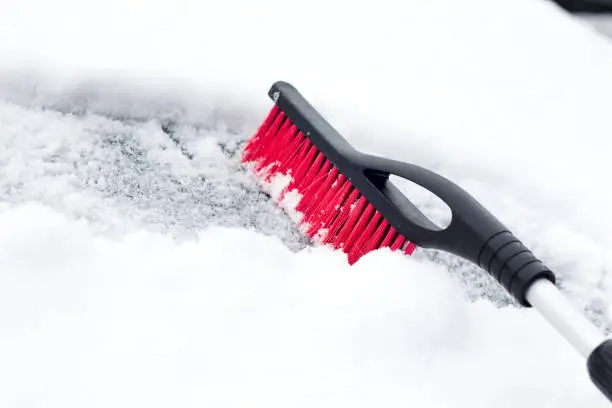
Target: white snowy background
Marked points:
141	266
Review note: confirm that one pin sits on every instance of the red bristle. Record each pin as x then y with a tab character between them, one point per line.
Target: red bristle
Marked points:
313	172
345	211
370	238
332	208
252	143
377	239
281	132
321	179
329	203
351	223
310	194
397	244
300	155
283	144
304	167
330	188
293	149
366	210
267	145
295	160
314	191
410	248
286	147
265	138
388	238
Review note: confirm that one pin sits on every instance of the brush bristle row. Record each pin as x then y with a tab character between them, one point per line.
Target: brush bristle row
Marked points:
331	210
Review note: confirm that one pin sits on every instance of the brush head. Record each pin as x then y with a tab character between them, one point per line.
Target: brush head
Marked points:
316	191
342	197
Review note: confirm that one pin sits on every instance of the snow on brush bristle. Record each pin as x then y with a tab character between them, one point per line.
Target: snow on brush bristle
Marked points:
327	207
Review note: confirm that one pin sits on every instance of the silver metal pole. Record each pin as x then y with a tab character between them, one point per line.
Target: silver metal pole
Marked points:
579	331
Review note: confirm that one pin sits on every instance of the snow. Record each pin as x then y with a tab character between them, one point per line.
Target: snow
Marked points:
601	22
142	320
140	264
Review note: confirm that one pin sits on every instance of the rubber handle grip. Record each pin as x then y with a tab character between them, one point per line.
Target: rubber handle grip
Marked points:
599	365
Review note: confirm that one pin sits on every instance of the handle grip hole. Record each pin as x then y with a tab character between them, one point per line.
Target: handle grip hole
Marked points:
435	211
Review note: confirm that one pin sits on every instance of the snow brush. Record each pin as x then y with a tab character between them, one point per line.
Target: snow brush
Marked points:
343	198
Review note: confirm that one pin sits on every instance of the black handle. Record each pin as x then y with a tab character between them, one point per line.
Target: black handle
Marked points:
586	6
599	365
473	233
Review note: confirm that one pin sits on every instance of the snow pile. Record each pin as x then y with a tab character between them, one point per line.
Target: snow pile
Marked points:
237	319
128	116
